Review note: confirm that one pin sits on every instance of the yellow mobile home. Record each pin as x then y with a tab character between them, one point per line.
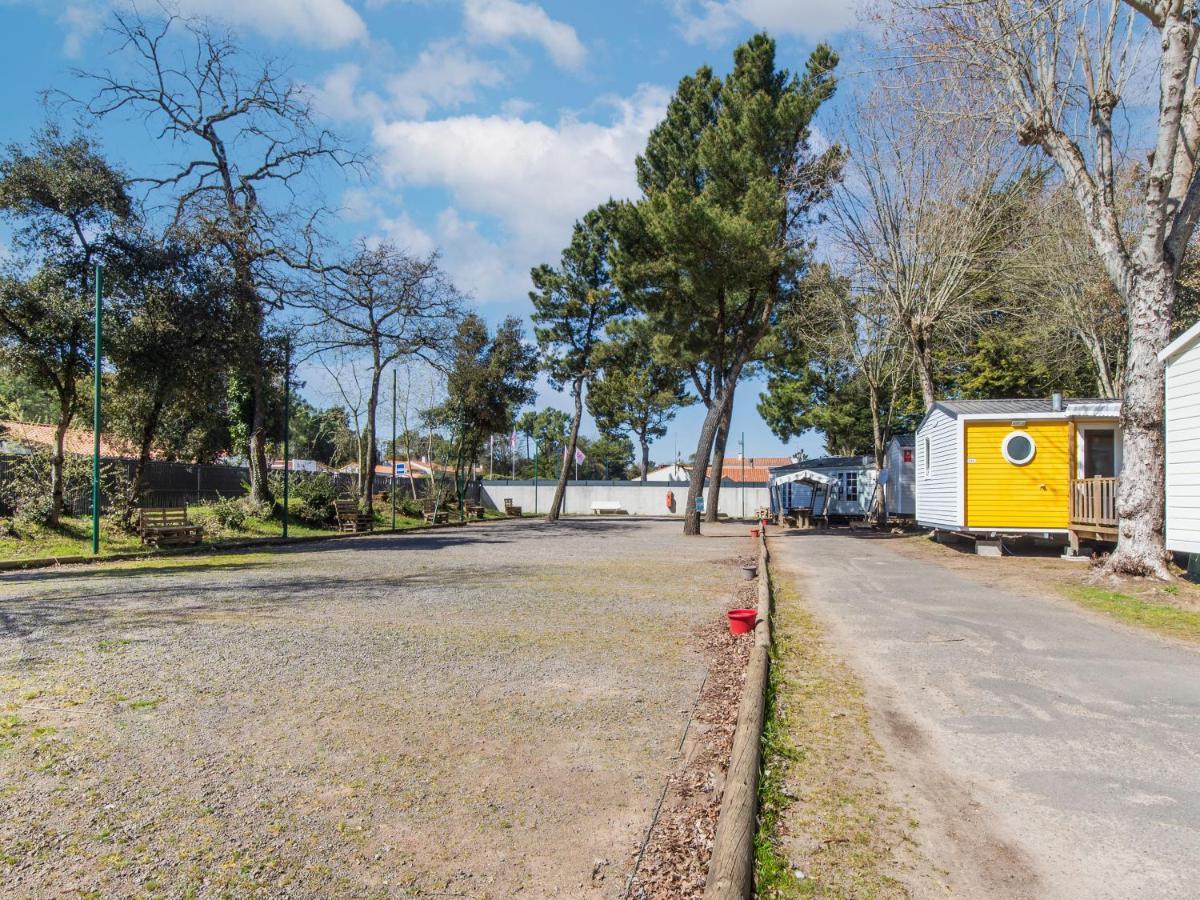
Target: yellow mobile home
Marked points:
1039	468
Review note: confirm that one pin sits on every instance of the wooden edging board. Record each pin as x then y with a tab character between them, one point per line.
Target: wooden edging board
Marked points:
248	543
731	869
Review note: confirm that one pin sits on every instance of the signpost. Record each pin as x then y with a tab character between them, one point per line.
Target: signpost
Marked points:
287	403
96	420
395	465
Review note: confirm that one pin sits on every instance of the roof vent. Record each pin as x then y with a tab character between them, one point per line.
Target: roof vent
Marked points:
1056	402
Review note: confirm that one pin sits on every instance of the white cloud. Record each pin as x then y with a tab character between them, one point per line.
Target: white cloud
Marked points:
498	21
529	179
321	23
715	19
445	76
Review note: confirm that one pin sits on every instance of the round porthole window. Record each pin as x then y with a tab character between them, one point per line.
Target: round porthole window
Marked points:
1018	448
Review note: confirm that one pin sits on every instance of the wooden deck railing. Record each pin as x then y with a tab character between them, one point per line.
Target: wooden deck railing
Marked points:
1094	502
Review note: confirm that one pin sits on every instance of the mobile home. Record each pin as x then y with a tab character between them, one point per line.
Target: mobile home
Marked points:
1181	359
1043	468
900	487
838	486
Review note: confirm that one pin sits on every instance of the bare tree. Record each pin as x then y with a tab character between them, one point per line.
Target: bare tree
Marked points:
387	306
922	227
247	139
1056	74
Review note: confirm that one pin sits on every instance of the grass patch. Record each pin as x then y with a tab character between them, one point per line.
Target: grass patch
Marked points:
1146	613
827	827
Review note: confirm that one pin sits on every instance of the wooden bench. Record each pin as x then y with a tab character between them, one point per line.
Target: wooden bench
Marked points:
475	512
601	507
434	514
509	509
350	518
159	525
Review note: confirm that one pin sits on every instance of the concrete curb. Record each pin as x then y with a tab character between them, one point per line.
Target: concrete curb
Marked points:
731	868
17	565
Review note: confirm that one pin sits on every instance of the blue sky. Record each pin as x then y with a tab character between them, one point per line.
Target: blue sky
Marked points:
493	124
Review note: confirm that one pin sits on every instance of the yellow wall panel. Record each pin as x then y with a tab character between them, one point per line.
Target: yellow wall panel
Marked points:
1001	495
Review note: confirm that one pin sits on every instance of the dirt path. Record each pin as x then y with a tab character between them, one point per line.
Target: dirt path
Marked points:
1045	752
449	714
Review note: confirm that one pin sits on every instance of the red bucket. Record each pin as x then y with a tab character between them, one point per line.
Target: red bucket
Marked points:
742	621
753	532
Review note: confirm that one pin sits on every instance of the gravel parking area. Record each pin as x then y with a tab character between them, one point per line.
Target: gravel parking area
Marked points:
471	713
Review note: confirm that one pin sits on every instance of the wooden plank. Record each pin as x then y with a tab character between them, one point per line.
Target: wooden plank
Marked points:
731	868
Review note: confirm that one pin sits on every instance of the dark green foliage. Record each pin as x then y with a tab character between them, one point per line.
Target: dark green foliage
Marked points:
636	392
713	252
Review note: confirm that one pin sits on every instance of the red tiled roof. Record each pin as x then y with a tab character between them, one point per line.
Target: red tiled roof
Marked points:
755	470
76	442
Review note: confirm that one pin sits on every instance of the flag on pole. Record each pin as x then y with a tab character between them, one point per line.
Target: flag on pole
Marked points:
512	440
579	457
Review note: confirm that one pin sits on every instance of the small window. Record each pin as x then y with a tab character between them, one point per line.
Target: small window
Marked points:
1018	448
926	455
849	485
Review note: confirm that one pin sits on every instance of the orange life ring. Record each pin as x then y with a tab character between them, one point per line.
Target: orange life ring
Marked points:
671	500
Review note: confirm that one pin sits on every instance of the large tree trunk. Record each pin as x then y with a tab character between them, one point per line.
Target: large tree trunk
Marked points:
708	434
718	460
145	441
1140	514
368	482
923	357
568	457
878	511
645	444
57	457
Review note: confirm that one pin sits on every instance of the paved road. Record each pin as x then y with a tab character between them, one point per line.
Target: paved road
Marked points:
1045	751
487	712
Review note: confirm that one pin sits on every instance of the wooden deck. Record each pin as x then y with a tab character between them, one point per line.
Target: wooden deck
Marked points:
1093	510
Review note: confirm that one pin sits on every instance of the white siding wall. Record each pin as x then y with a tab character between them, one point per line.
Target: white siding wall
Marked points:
901	489
1183	451
939	492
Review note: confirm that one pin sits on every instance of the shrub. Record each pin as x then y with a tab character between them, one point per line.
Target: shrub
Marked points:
228	513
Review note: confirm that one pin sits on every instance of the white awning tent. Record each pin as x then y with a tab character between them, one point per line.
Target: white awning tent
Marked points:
808	476
803	476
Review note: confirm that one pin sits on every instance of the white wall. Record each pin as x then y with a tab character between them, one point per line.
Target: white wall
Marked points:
635	499
1183	451
939	491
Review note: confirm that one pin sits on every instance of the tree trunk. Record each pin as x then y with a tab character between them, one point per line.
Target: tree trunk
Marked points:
57	458
145	440
568	457
878	511
367	499
645	455
708	434
1140	499
923	354
718	461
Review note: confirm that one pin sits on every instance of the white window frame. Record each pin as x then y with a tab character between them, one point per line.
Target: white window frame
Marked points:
1009	438
928	466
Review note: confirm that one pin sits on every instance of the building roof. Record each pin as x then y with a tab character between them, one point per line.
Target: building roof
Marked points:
76	442
756	468
1022	406
826	462
905	440
1181	343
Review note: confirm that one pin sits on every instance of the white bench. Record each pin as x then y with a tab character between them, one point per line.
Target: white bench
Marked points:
600	507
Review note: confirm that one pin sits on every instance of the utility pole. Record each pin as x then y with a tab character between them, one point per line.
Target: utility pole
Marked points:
96	419
287	404
394	450
743	474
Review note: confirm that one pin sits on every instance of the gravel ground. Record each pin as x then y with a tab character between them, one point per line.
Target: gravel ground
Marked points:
479	713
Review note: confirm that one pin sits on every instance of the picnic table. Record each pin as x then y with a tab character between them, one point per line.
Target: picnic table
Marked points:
509	509
433	513
474	511
159	525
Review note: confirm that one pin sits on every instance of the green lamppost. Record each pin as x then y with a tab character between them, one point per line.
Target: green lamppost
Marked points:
96	419
394	450
287	405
